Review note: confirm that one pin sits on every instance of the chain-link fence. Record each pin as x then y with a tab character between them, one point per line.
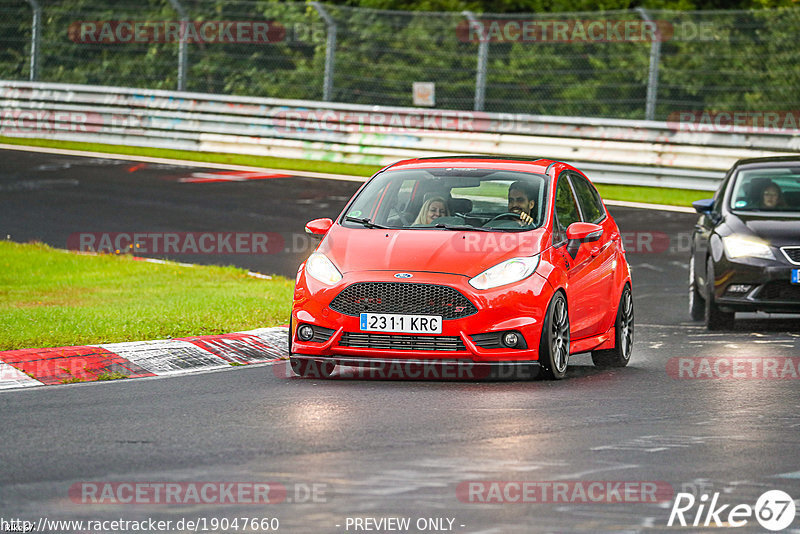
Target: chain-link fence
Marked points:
627	64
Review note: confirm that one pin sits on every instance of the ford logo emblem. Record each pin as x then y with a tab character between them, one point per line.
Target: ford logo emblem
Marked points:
403	275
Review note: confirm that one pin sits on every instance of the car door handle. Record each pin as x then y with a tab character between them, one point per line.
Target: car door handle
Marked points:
598	249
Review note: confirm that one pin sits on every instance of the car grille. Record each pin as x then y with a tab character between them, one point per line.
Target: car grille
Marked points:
398	297
779	290
402	342
792	254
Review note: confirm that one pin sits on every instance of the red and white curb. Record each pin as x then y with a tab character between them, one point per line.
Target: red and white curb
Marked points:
64	365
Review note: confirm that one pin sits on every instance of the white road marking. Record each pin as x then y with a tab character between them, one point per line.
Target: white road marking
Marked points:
645	206
11	377
167	356
648	266
794	474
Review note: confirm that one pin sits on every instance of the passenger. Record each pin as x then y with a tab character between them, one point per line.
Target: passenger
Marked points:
772	197
432	209
521	200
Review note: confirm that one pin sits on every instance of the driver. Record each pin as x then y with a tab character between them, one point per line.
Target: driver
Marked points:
520	201
772	197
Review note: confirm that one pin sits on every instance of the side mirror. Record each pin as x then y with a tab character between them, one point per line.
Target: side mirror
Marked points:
319	227
584	232
703	207
581	232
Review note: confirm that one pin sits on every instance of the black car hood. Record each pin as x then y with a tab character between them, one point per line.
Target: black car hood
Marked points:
779	231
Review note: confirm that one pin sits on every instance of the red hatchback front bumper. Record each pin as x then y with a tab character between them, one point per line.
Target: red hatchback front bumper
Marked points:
475	338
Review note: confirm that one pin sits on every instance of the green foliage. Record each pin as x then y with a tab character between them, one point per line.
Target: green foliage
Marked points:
712	60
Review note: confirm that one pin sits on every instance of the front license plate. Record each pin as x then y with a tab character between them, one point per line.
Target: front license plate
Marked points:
796	276
407	324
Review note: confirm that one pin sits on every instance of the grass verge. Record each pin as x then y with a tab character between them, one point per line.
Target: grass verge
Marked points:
51	297
653	195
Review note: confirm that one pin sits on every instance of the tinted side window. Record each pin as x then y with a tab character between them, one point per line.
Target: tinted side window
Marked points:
566	209
589	199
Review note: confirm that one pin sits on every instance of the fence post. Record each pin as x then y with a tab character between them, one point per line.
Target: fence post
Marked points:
330	51
182	44
655	57
483	57
36	30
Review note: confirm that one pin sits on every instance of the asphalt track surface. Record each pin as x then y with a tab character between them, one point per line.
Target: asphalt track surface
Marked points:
388	448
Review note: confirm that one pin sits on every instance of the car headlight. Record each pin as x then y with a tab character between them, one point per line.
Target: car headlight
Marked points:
509	271
319	267
737	246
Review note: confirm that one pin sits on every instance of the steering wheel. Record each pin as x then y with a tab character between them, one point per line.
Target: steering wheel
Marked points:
506	215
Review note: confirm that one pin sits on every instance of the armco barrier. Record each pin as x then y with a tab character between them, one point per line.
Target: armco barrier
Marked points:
609	150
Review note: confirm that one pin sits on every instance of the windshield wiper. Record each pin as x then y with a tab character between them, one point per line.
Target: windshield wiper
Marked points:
366	222
464	227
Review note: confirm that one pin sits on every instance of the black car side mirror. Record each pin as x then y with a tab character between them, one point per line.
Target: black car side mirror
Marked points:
703	207
706	207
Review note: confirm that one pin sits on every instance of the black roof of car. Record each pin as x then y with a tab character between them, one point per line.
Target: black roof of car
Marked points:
776	160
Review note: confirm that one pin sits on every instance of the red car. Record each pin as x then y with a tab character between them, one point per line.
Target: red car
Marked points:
465	261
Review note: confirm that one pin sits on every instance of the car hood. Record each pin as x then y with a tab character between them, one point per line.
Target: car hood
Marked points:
444	251
779	231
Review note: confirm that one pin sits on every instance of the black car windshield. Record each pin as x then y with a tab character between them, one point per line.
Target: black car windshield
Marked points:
767	189
451	199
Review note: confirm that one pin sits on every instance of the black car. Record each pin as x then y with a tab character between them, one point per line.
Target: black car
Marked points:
746	244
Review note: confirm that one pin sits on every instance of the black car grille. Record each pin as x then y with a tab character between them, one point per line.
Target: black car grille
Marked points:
780	290
399	297
793	253
490	340
321	335
402	342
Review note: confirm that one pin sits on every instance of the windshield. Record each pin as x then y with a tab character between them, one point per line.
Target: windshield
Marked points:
769	189
451	199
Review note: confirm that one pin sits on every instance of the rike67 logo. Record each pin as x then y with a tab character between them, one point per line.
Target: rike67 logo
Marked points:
774	510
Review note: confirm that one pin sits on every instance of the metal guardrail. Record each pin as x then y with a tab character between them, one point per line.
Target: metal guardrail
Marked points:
631	152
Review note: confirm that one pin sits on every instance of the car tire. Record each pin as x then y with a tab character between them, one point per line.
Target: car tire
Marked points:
620	355
715	318
697	304
554	344
312	368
